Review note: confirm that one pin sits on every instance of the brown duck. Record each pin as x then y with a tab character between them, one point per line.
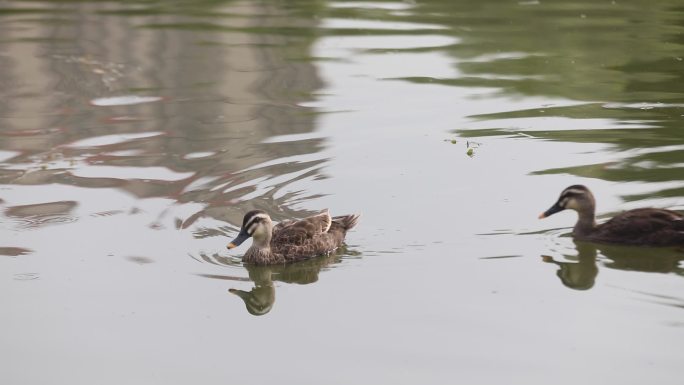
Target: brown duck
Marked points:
293	240
639	227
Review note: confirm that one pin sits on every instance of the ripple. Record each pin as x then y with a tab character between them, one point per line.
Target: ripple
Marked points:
379	25
124	100
206	232
36	221
14	251
107	140
50	208
392	6
128	173
197	155
502	257
641	106
26	276
42	214
141	260
31	132
217	259
7	155
108	213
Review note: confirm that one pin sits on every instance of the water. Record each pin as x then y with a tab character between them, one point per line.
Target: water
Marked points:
135	135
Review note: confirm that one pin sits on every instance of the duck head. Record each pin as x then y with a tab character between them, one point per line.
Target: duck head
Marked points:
576	197
256	224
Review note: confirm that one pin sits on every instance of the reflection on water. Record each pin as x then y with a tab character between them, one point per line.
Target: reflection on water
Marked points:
14	251
650	260
131	110
134	135
41	214
596	84
579	271
260	299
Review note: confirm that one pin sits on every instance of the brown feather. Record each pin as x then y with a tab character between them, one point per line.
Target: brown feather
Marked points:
646	226
297	240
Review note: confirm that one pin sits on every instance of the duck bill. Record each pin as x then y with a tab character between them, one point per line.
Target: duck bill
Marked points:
238	240
554	209
240	293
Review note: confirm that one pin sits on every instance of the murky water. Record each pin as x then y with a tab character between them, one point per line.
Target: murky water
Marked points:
135	135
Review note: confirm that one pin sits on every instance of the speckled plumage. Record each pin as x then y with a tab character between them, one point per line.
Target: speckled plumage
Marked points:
292	240
639	227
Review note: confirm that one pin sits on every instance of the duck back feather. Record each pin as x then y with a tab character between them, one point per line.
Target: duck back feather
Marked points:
646	226
312	236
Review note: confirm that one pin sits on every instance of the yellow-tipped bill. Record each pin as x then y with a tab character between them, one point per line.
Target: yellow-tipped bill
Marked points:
554	209
241	237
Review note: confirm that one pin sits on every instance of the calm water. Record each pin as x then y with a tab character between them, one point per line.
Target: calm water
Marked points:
135	135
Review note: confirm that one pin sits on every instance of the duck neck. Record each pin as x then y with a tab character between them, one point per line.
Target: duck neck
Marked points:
260	251
262	242
586	223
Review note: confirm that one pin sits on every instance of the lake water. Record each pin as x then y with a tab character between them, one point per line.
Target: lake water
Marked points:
134	135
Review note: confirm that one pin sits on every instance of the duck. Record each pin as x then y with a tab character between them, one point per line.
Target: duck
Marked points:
639	227
291	240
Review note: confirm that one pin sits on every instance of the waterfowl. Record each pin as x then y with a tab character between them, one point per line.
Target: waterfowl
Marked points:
639	227
292	240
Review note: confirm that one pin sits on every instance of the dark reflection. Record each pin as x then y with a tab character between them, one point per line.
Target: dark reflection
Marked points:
579	271
14	251
260	299
650	260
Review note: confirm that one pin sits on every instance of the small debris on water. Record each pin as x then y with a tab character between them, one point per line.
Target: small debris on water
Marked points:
470	146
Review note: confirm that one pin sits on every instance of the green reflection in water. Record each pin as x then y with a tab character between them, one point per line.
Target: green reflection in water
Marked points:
620	66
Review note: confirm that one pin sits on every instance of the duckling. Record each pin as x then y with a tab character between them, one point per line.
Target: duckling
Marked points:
292	240
639	227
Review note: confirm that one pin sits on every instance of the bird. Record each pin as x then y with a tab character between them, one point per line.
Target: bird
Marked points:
639	227
291	240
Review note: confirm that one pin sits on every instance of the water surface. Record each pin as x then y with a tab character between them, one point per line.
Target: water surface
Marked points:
134	136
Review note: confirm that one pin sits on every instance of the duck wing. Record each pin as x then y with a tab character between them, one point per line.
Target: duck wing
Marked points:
297	232
647	226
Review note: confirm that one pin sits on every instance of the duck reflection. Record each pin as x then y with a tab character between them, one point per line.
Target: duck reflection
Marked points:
579	271
580	274
260	299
